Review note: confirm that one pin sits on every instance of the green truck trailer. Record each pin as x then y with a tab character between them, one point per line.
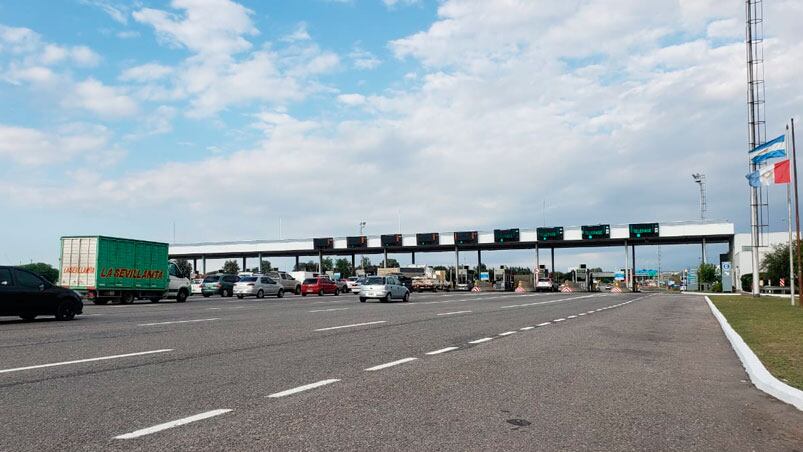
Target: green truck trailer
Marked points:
104	269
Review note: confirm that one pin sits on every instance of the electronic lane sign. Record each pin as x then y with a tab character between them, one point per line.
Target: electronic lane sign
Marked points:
506	235
427	239
643	230
326	243
547	234
359	241
597	231
465	238
392	240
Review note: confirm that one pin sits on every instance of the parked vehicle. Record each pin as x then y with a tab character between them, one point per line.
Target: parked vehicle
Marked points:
384	289
343	285
546	285
196	287
353	284
257	286
319	286
104	269
219	284
25	294
284	279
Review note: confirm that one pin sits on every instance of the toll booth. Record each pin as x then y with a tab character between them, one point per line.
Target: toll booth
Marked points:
503	279
583	279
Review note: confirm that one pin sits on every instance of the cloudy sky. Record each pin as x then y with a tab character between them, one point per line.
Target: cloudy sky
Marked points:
226	118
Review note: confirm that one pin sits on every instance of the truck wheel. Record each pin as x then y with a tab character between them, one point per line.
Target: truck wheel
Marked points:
65	311
127	298
100	301
156	299
240	297
182	296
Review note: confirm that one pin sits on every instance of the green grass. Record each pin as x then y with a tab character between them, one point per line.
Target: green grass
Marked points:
772	328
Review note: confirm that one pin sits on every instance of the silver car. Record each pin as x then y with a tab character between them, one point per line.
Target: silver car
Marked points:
289	283
257	286
384	289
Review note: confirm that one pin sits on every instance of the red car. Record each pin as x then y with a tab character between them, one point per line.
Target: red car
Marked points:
319	286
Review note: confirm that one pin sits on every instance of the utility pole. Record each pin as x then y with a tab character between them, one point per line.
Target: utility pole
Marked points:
362	256
699	178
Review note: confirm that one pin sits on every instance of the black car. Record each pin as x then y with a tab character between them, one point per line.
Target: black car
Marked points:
27	295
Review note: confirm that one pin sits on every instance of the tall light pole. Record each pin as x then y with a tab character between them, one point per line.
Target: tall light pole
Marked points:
362	256
699	179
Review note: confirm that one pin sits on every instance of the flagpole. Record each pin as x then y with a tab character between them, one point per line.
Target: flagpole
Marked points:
797	217
791	259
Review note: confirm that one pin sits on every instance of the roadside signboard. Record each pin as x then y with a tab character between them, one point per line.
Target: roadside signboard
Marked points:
506	235
727	277
643	230
691	281
547	234
427	239
392	240
359	241
325	243
465	238
485	276
597	231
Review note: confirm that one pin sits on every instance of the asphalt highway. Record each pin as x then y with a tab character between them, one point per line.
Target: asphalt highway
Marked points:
455	371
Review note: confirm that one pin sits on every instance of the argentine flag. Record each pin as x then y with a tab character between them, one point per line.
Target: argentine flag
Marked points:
769	150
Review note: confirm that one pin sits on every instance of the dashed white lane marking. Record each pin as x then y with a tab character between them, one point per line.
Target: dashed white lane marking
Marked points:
582	313
171	424
443	350
559	320
545	302
179	321
572	317
590	312
351	326
390	364
480	341
328	310
507	333
88	360
453	313
527	328
215	309
303	388
544	324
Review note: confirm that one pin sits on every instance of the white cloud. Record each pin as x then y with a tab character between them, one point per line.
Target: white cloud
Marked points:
118	12
351	99
29	49
146	72
299	34
363	59
32	147
105	101
390	3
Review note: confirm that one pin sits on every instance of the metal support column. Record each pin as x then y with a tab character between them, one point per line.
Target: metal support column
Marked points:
704	261
635	283
627	268
195	264
413	257
203	260
320	262
552	267
296	267
385	263
353	265
479	262
537	263
456	266
259	267
244	267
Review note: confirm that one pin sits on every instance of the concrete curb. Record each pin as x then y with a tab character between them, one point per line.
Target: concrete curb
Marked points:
759	374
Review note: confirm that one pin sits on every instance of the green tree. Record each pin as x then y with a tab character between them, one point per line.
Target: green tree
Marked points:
392	263
343	266
328	265
231	267
776	264
184	266
44	270
707	273
265	267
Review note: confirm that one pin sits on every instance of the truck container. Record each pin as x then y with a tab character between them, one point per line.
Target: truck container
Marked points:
104	269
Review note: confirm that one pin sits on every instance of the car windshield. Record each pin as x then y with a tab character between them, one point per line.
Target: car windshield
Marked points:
212	279
310	281
248	279
376	280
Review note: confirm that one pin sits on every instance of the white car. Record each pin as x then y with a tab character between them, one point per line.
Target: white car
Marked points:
546	284
257	286
197	286
353	284
384	289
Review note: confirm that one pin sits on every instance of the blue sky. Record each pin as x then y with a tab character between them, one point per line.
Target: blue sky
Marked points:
226	117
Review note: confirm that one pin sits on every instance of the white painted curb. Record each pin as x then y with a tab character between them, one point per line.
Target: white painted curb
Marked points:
759	374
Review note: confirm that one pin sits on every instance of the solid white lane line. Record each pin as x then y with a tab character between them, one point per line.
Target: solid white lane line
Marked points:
526	328
391	364
507	333
559	320
88	360
179	321
351	326
171	424
303	388
480	341
443	350
328	310
453	313
544	324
